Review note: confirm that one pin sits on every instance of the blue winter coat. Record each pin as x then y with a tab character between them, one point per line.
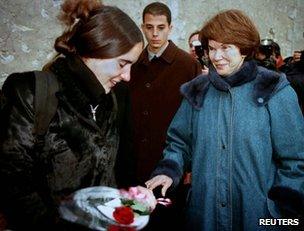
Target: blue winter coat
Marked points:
244	136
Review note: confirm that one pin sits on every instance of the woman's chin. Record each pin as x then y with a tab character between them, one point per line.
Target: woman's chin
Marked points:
107	89
222	72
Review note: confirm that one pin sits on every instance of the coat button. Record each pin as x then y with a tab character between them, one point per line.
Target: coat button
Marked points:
148	85
260	100
223	204
144	140
223	146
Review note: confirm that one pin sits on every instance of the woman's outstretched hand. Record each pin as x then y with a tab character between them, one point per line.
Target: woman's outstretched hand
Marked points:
162	180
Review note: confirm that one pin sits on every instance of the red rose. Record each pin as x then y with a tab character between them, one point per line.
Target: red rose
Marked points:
119	228
123	215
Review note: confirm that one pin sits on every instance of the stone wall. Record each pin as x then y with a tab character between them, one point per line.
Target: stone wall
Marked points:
28	27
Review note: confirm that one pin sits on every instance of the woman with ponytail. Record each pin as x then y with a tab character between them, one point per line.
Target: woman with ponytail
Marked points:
86	142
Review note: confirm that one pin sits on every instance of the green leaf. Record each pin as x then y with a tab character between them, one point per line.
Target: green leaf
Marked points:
140	208
127	202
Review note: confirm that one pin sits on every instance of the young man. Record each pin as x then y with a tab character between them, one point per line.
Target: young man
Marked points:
156	79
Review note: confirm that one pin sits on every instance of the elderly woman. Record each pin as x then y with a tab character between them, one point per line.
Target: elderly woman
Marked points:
242	129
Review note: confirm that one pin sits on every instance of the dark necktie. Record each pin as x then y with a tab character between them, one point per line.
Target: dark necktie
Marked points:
155	58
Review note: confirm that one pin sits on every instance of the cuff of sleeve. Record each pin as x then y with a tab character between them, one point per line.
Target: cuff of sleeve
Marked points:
169	168
288	199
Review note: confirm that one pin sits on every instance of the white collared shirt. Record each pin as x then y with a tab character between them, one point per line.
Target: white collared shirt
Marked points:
151	55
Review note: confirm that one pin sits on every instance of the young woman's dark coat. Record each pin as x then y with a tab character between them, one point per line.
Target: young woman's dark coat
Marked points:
76	152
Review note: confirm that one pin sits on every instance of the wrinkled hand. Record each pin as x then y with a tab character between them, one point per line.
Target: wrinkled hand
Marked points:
163	180
296	56
149	196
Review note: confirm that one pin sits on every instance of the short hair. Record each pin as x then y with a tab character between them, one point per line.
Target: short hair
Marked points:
232	27
276	49
192	34
95	30
157	8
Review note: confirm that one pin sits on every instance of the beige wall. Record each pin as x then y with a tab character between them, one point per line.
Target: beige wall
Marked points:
28	27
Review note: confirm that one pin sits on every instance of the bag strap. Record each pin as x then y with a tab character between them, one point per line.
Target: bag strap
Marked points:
46	102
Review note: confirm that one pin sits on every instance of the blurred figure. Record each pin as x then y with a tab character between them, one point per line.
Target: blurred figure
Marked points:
297	57
294	70
265	55
277	55
198	51
193	37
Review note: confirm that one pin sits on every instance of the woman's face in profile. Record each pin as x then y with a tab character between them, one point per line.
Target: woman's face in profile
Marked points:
111	71
226	58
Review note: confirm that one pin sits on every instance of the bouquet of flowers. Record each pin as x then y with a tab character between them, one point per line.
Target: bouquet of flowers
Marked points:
134	204
131	209
104	208
135	200
101	208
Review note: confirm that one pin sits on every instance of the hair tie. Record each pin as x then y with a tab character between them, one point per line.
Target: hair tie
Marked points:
75	22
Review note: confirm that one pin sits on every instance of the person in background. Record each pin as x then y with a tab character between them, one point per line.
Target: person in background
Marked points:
277	55
294	70
198	51
297	56
242	129
265	55
87	137
156	78
193	37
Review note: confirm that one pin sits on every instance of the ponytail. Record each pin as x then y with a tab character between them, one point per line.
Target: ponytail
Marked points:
95	30
73	13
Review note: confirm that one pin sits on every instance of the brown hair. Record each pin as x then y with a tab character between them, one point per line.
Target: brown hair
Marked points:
157	8
95	30
232	27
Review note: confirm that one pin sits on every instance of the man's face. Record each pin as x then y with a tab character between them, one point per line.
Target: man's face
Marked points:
156	29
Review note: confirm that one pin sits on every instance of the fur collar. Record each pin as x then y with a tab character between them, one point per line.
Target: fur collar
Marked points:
195	90
246	74
76	81
266	84
79	84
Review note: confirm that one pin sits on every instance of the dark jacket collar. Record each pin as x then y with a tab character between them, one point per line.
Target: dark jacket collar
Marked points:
266	83
245	74
168	55
79	84
86	78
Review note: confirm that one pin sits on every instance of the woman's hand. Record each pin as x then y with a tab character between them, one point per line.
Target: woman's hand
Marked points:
163	180
296	56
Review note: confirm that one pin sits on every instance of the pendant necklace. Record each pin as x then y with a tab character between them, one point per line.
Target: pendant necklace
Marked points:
93	111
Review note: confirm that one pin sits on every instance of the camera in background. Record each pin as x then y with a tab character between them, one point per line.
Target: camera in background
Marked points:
201	53
266	54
